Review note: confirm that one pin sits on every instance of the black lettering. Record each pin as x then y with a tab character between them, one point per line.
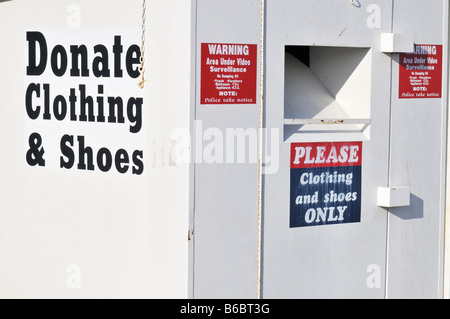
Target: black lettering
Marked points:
82	152
76	52
103	60
59	50
117	50
121	159
138	169
32	113
104	153
132	58
59	113
112	101
86	100
100	116
35	155
72	100
134	113
67	152
33	68
47	115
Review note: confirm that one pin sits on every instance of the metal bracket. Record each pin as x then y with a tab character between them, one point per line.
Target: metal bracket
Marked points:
393	196
397	43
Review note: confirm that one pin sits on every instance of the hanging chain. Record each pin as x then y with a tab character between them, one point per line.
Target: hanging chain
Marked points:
142	58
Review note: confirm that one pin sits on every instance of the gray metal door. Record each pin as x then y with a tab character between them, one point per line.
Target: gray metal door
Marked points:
332	96
417	157
393	252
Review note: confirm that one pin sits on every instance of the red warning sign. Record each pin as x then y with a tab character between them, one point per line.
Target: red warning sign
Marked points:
421	72
228	73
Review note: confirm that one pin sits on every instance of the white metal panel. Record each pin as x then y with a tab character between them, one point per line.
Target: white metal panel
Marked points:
225	221
123	236
337	260
446	275
415	242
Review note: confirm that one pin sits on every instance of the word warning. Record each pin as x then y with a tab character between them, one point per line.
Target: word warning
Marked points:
228	73
325	183
421	72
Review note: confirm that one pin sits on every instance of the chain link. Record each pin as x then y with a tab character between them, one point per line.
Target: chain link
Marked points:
142	58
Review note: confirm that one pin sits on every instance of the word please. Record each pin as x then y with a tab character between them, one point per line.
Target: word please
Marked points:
323	154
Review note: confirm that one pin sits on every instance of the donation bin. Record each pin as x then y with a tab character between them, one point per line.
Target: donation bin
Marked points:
224	149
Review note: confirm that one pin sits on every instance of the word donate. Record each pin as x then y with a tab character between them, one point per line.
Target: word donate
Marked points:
325	183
